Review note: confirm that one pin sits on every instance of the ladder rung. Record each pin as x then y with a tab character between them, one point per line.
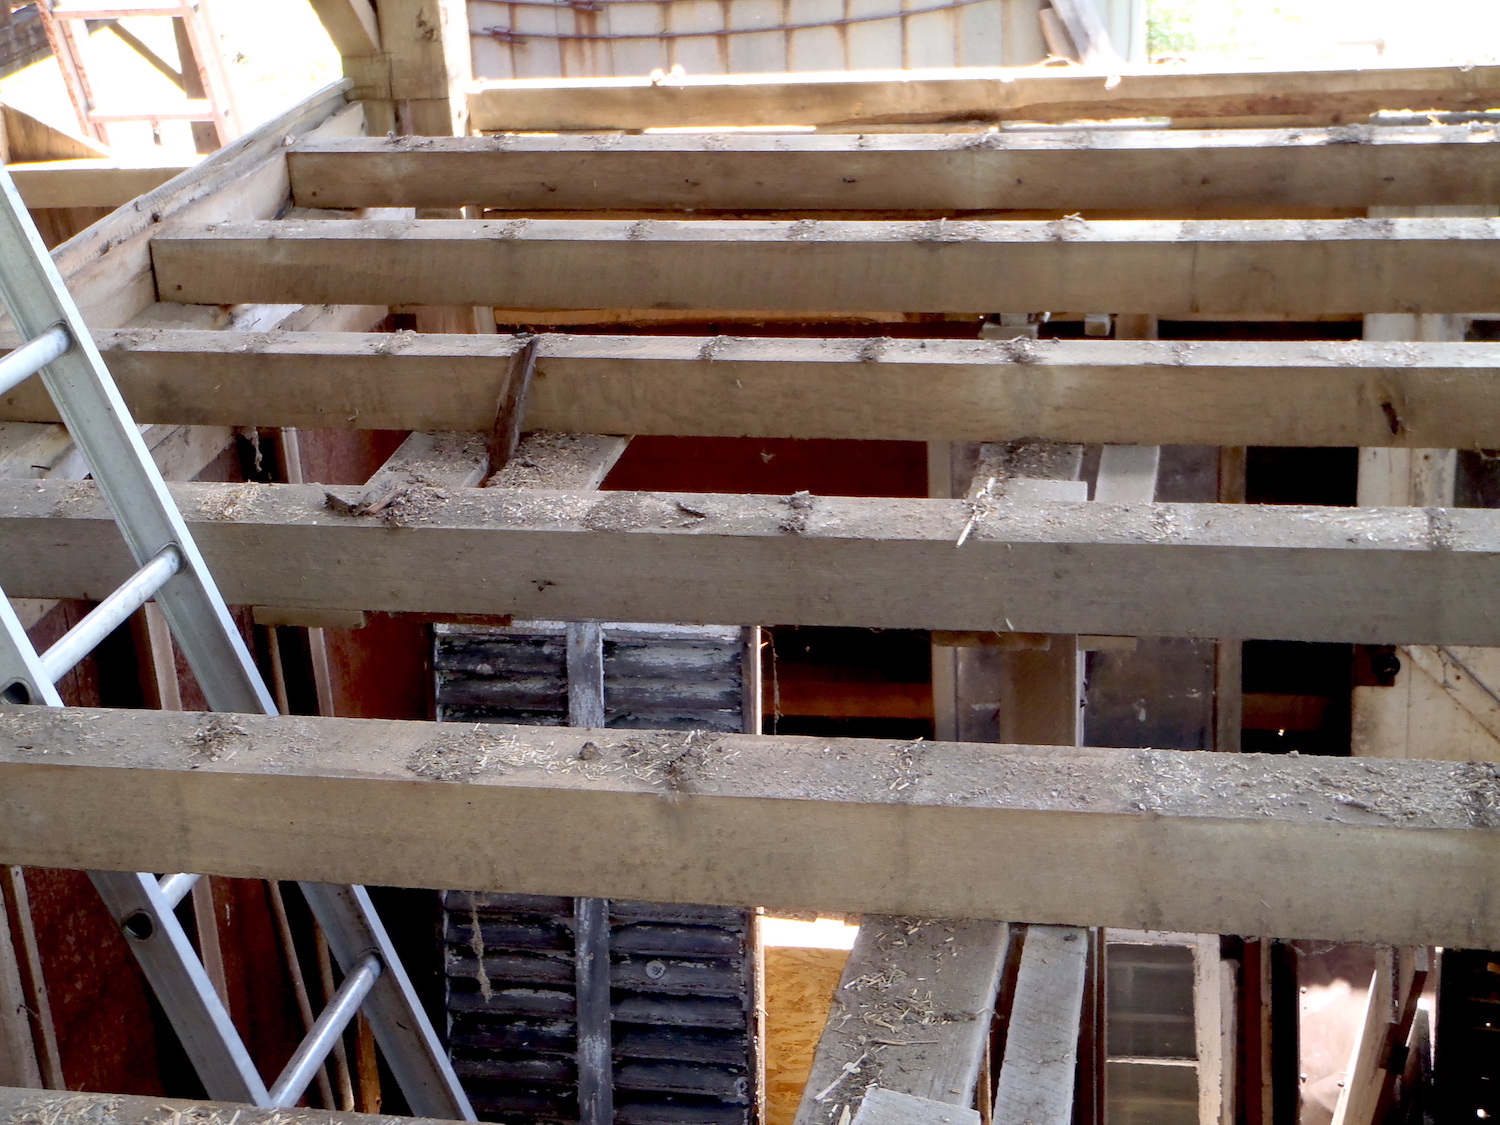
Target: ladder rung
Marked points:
34	355
111	613
175	888
325	1032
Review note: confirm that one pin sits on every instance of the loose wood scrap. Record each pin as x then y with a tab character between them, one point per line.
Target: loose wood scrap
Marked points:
1082	170
888	1107
546	459
1182	840
510	407
1391	1008
1041	1040
426	468
911	1014
1080	19
1127	473
971	95
36	1004
1373	576
975	266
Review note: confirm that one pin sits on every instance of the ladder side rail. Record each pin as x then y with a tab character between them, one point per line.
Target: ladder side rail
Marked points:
411	1047
99	421
144	910
181	984
23	678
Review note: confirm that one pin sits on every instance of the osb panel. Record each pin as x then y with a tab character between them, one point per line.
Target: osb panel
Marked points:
799	988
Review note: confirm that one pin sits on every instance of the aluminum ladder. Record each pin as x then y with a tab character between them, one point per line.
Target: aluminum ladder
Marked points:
59	348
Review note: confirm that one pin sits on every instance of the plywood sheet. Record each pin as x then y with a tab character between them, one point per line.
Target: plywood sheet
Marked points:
799	987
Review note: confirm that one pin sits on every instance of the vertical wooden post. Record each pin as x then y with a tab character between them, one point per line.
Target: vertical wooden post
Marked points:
1229	651
18	1055
1255	1085
940	458
595	1040
585	655
585	645
16	920
1090	1106
413	73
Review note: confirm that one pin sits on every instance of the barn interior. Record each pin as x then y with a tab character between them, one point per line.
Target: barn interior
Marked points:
793	562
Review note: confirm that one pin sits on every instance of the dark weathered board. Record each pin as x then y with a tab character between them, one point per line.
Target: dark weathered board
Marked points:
660	677
681	1008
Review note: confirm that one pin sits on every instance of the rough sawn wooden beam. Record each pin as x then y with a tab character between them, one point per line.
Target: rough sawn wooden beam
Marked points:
967	266
974	96
1371	575
911	1013
1139	839
1079	170
1137	392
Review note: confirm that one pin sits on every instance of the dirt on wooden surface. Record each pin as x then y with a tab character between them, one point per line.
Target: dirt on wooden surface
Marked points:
36	1107
1355	792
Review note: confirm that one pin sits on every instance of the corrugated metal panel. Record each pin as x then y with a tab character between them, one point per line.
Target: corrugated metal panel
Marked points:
603	38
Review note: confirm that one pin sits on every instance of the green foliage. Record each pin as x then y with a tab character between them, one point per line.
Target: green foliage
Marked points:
1169	27
1225	27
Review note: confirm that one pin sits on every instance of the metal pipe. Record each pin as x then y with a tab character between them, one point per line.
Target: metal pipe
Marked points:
34	355
175	888
320	1040
111	613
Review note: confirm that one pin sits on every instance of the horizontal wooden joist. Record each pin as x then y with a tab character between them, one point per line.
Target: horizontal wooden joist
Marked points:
1141	839
1079	170
1392	576
87	183
973	95
108	265
1147	392
1272	266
